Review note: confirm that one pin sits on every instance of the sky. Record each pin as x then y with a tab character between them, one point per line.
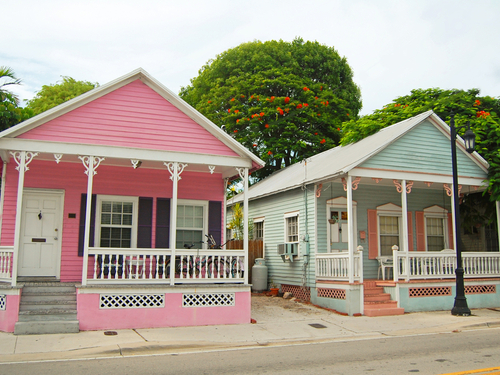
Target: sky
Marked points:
392	46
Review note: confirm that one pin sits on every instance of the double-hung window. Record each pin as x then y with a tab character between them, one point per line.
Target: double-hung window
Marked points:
258	228
389	233
116	224
192	223
436	229
292	227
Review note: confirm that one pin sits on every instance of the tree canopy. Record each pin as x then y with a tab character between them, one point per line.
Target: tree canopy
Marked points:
482	112
284	101
10	112
53	95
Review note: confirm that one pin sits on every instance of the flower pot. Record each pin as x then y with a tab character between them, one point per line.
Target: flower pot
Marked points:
274	291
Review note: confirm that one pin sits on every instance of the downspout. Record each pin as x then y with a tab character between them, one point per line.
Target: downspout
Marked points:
2	195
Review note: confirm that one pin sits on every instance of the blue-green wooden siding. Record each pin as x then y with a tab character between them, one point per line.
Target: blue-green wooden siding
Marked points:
423	149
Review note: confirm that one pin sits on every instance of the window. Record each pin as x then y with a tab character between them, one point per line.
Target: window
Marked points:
192	223
389	233
258	229
292	227
435	233
116	221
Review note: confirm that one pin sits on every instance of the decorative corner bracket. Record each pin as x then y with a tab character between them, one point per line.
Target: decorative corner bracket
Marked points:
449	191
399	187
171	168
355	183
242	172
86	163
27	159
318	190
136	163
377	180
58	157
211	168
428	183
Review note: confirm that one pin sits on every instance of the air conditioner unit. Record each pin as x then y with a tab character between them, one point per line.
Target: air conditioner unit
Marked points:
288	250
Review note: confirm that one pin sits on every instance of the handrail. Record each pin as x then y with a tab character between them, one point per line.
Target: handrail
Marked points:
335	266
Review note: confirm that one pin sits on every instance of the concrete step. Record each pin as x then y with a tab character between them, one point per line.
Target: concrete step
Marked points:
373	291
47	315
379	297
382	309
46	327
51	287
48	296
47	305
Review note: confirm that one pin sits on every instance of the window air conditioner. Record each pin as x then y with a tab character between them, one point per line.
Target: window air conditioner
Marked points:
288	250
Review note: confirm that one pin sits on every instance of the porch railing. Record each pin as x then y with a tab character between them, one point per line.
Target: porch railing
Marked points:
442	265
6	260
335	266
155	266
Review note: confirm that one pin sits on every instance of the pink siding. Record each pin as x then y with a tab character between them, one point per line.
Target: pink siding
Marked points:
91	317
9	317
131	116
71	178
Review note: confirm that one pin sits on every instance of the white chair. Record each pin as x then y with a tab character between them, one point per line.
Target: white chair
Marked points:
383	263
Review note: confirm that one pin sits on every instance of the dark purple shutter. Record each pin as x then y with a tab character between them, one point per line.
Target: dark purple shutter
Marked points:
81	233
162	223
145	222
214	220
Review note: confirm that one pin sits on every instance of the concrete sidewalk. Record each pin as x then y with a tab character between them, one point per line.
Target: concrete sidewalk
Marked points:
279	322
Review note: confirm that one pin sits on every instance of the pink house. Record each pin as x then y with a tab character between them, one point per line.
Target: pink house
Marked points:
136	254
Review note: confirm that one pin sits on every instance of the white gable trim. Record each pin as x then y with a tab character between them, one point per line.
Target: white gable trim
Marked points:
389	208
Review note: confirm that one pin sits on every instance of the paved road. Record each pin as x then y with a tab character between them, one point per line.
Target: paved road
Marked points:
422	354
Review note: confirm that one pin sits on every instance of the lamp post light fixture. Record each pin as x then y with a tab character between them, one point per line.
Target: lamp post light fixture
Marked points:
460	307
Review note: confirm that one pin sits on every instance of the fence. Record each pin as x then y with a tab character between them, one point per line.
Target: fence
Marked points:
255	250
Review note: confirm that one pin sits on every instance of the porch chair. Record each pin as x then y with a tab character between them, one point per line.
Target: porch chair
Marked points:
383	263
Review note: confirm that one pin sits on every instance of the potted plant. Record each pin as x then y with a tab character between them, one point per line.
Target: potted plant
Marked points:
273	288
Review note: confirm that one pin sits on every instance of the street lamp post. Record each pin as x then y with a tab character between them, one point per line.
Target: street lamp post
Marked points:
460	307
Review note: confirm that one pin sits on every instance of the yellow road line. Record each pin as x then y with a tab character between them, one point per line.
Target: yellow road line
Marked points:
485	371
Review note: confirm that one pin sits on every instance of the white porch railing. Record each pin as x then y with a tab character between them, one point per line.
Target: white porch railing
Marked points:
441	265
153	266
6	260
335	266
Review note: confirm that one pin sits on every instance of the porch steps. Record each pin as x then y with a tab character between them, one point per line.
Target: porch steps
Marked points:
378	303
47	307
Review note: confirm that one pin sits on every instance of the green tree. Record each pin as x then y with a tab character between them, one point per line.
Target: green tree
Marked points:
482	112
10	112
284	101
53	95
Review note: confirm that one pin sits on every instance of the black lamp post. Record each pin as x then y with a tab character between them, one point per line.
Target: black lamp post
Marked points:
460	307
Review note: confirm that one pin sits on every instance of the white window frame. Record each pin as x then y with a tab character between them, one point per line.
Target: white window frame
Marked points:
392	210
259	220
116	198
194	202
439	213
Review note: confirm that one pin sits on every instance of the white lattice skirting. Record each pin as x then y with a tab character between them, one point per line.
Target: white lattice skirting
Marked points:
3	302
130	301
208	299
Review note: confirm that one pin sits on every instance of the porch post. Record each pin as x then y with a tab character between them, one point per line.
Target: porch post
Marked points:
21	166
2	195
224	212
350	230
245	226
173	218
404	204
88	211
453	220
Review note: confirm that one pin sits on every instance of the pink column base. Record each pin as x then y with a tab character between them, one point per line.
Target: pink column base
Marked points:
10	315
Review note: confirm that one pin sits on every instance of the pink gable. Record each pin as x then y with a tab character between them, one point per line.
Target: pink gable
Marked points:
131	116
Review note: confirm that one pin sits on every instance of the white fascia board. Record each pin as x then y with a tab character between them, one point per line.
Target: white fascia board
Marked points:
18	144
416	176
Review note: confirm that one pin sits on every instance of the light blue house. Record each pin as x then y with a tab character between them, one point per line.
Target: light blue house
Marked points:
330	223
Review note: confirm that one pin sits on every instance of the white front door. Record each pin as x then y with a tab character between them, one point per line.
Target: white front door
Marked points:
40	249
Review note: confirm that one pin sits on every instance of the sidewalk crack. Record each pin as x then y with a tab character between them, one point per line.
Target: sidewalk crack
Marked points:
140	335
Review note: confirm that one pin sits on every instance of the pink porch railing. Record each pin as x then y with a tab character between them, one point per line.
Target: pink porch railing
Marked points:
6	260
153	266
335	266
442	265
